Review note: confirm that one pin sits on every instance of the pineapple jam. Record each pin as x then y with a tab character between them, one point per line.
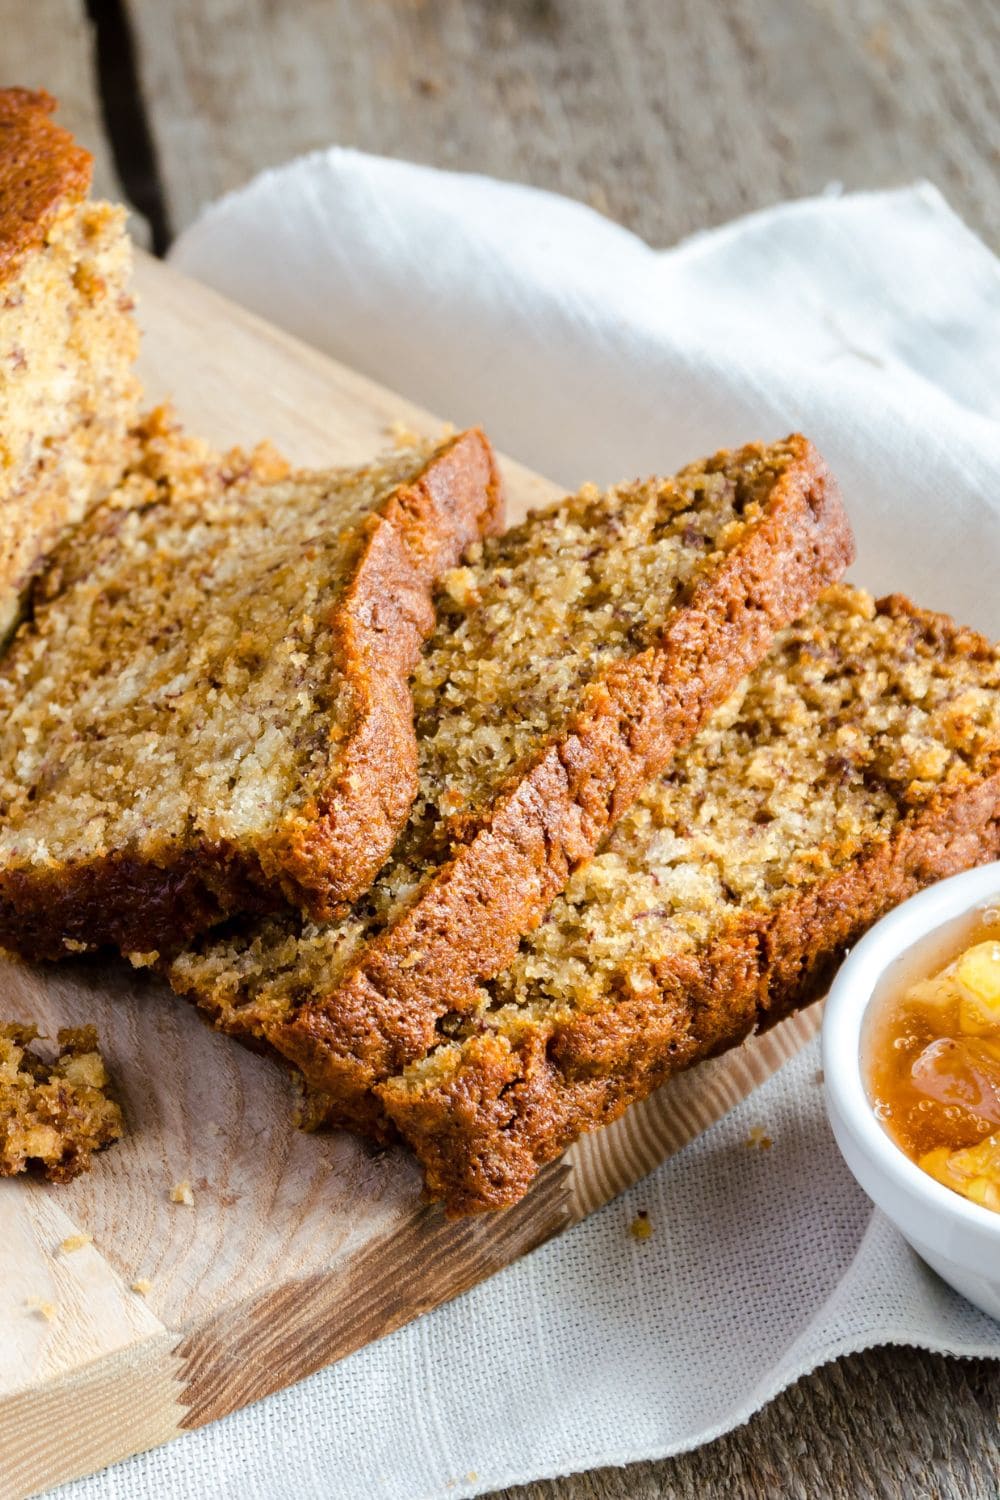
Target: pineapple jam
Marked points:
934	1068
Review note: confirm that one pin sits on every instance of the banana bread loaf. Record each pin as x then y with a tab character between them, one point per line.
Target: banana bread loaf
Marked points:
209	709
572	656
858	764
54	1114
68	394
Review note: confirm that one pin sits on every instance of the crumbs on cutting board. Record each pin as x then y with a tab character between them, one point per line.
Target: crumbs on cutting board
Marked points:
142	1287
181	1193
401	433
75	1242
47	1310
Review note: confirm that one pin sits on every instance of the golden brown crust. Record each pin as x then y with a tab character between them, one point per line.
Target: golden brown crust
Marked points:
483	1131
41	167
329	851
332	850
48	913
467	922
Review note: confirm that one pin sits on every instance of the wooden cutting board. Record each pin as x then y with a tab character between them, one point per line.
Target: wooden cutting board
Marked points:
298	1249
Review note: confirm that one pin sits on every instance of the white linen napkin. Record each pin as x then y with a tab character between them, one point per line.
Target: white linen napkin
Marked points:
870	322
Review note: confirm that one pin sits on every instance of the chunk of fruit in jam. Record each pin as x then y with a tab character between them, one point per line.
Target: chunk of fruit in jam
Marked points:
960	1072
974	1172
977	975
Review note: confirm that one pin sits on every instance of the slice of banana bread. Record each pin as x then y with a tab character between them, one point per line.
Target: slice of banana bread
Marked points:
572	656
858	764
54	1114
68	394
209	709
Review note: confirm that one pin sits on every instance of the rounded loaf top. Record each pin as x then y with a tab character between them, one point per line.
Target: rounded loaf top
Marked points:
41	167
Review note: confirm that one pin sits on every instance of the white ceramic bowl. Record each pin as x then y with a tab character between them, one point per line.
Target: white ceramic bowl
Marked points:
959	1239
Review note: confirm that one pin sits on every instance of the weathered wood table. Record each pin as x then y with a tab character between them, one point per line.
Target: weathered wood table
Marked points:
669	115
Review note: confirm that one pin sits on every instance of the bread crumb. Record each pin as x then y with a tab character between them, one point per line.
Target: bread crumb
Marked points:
86	1070
402	434
181	1193
460	586
758	1139
47	1310
141	1287
55	1112
146	960
640	1227
75	1242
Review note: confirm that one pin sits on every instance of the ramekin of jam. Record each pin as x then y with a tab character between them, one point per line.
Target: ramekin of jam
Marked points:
911	1060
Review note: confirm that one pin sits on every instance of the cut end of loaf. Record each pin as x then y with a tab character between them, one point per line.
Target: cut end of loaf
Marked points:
68	394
